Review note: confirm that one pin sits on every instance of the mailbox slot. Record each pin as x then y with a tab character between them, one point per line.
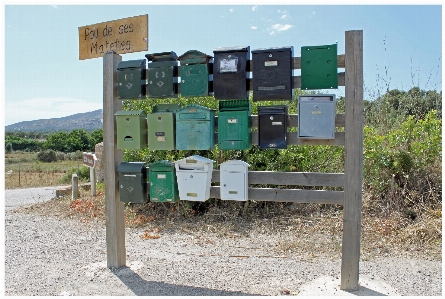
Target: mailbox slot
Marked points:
316	116
234	125
131	129
272	127
133	182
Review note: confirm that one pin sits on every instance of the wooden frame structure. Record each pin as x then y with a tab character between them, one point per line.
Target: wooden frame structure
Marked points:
350	180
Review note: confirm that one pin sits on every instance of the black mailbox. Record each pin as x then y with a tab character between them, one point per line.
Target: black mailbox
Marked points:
272	74
229	73
272	127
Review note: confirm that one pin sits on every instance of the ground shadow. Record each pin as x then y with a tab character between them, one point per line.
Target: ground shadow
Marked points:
364	291
142	287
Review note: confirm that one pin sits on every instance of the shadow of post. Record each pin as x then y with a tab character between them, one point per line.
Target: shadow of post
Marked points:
364	291
142	287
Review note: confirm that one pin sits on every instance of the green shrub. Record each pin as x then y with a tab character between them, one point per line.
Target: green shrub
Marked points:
83	174
47	156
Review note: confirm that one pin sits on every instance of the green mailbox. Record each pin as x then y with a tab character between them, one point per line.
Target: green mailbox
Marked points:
163	183
234	125
131	129
194	73
195	128
319	67
162	75
131	77
161	127
133	182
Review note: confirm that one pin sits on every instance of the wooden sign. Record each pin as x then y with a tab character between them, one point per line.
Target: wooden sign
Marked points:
89	159
121	36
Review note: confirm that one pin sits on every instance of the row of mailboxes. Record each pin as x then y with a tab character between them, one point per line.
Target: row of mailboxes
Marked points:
226	74
186	179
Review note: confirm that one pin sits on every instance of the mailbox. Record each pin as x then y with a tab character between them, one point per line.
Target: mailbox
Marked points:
163	183
229	73
131	77
319	67
162	75
194	178
131	129
133	182
161	127
234	125
316	116
233	180
272	127
195	128
272	74
194	73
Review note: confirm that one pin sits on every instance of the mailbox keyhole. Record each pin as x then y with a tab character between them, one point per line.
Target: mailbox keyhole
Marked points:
191	176
225	185
159	118
127	119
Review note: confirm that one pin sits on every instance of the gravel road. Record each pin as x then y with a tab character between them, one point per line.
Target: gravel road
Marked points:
48	256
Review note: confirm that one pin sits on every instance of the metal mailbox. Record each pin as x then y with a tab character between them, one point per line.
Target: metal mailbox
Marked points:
161	125
316	116
272	127
162	75
194	72
163	183
131	78
131	129
272	74
233	180
234	125
133	182
195	128
194	176
319	67
229	73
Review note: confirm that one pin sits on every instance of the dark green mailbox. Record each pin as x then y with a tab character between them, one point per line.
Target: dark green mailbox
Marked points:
131	129
131	77
234	125
161	127
194	73
319	67
163	183
195	128
162	75
133	182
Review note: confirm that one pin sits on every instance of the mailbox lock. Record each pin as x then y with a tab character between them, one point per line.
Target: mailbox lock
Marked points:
122	186
271	118
191	176
270	55
225	185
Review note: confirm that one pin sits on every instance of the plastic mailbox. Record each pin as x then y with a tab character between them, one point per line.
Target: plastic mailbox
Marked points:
272	127
234	125
163	183
131	77
194	73
161	125
131	129
233	180
316	116
133	182
195	128
194	178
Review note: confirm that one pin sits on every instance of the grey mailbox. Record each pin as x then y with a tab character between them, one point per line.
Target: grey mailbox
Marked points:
316	116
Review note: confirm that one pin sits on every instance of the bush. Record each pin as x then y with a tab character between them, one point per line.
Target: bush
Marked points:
8	148
83	174
60	156
47	156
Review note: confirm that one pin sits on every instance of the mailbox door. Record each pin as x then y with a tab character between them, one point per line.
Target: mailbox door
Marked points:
233	185
132	188
163	186
192	185
194	135
272	131
233	130
160	82
130	85
161	133
316	120
131	132
194	80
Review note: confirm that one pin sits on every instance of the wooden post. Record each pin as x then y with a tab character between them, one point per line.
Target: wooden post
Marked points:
112	157
74	186
353	160
93	181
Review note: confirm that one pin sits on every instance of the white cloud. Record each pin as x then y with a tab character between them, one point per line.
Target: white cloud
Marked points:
279	28
45	108
254	8
231	10
253	27
285	16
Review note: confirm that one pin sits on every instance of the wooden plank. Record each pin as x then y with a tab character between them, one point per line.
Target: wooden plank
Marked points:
112	157
289	195
292	139
290	178
353	160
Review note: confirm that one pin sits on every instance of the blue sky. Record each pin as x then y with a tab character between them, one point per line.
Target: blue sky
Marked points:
44	78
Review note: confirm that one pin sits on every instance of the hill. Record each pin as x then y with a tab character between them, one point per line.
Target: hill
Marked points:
89	121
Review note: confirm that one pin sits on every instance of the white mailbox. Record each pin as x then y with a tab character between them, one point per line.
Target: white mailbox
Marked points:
316	116
233	180
194	175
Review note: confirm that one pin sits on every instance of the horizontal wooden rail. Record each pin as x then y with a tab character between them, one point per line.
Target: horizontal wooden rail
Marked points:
291	178
297	81
296	63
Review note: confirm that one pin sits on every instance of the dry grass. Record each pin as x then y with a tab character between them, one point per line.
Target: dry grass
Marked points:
308	231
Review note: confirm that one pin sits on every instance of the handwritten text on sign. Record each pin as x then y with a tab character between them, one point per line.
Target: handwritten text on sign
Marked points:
89	159
121	36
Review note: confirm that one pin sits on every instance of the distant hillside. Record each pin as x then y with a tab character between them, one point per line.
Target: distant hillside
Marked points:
89	121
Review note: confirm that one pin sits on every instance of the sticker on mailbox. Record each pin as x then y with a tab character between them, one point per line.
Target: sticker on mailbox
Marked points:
271	63
228	65
161	176
232	120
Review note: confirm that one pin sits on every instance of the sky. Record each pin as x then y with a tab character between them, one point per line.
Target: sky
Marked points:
44	78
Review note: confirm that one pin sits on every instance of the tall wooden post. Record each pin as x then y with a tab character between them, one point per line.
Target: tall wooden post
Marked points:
112	157
353	160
